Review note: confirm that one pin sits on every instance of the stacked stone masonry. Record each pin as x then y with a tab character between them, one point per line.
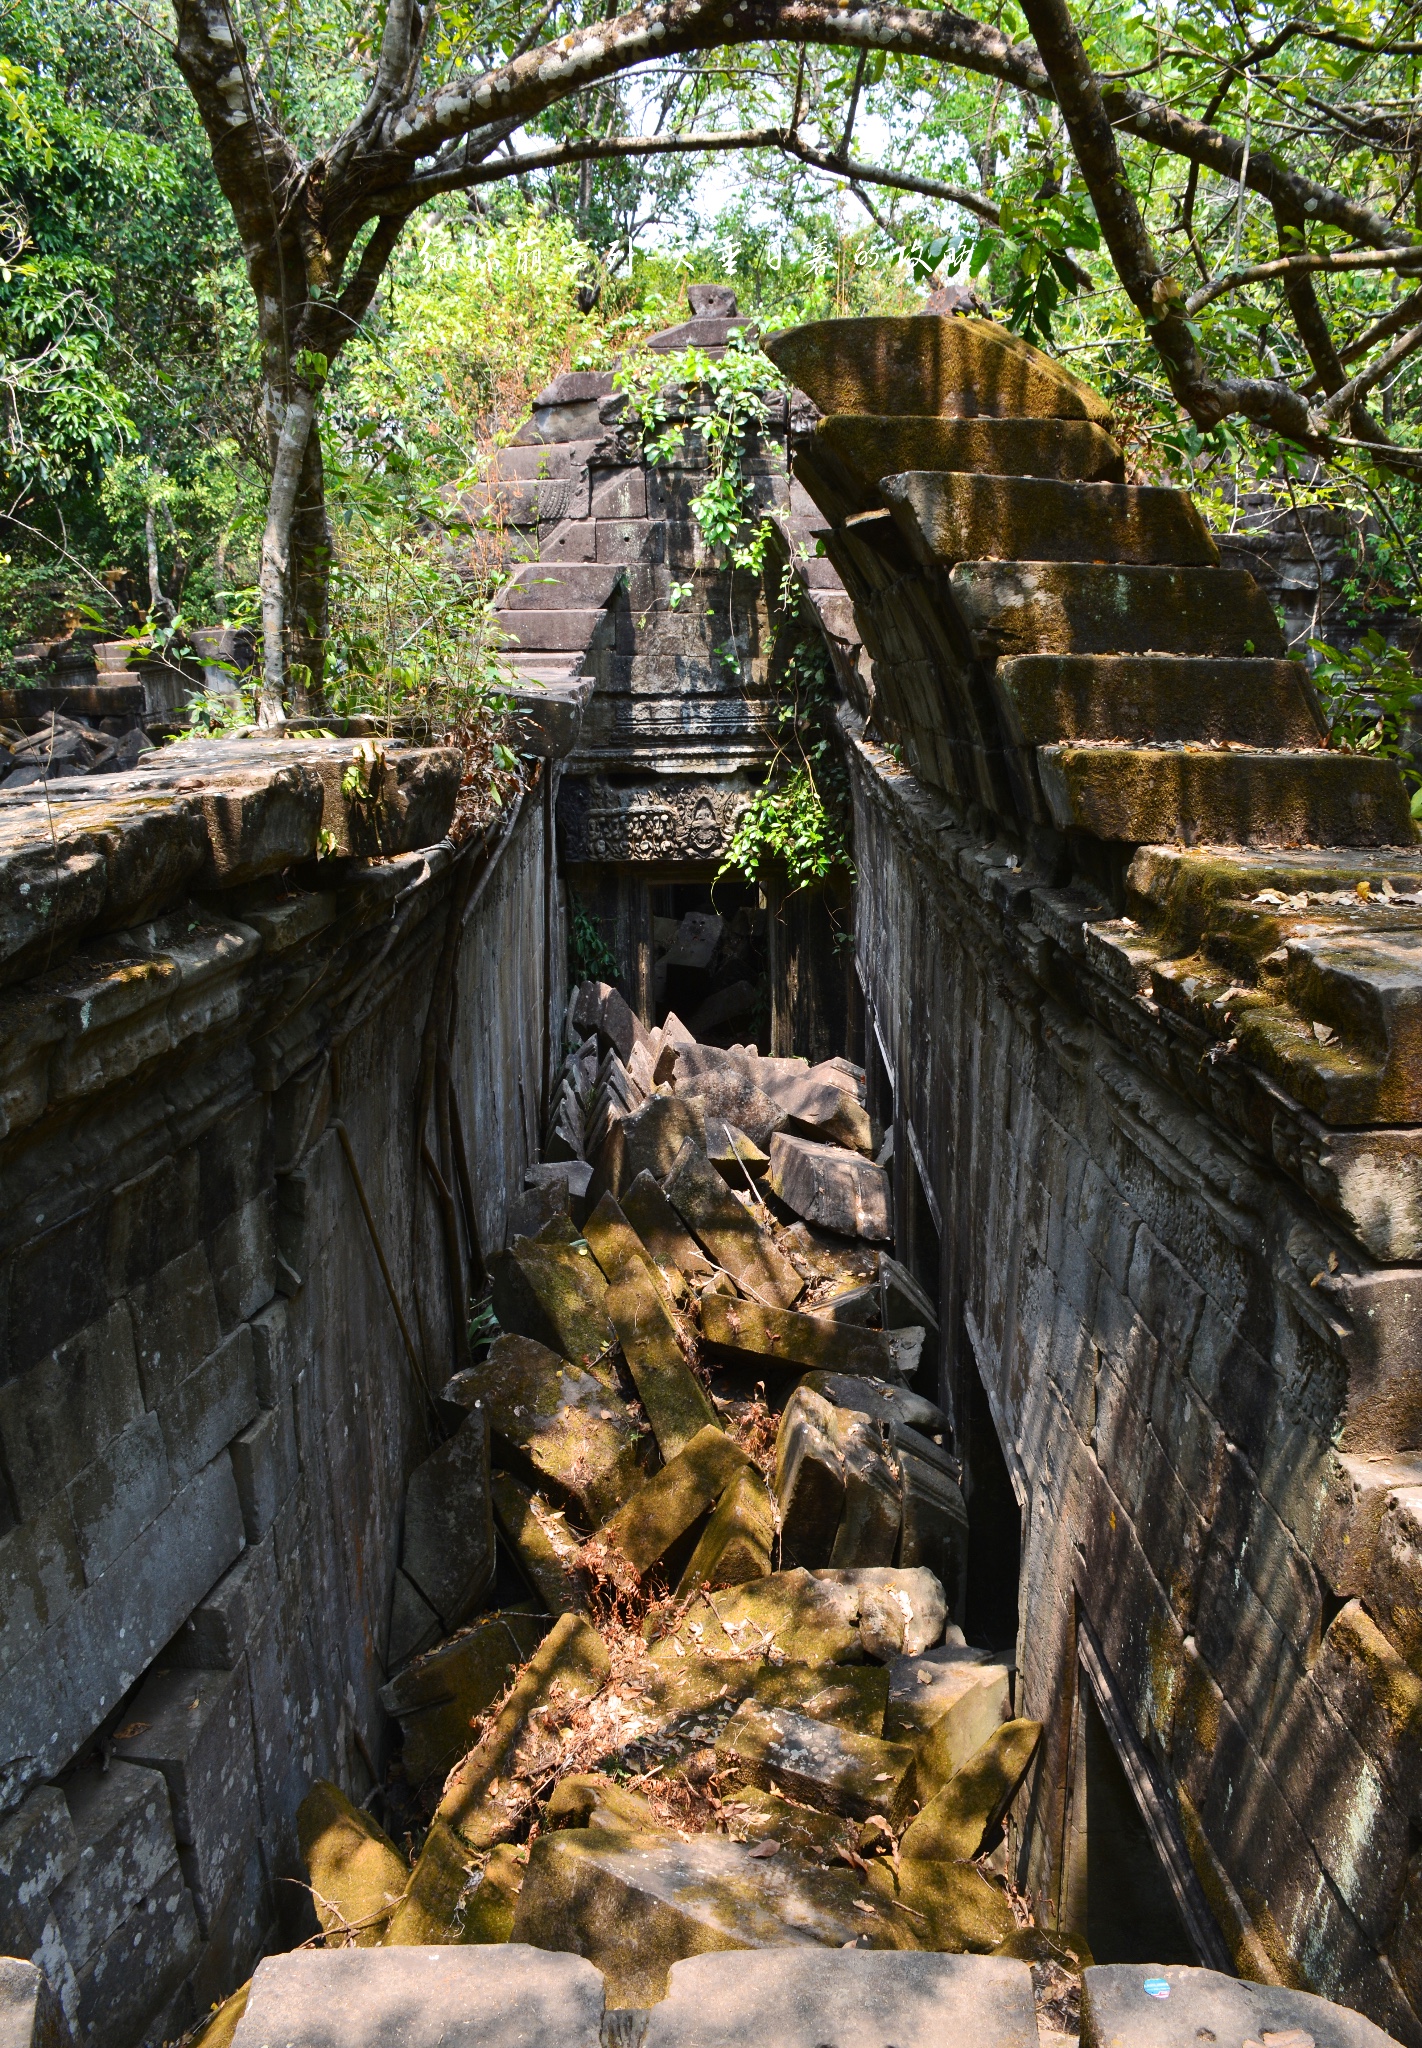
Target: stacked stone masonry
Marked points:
1140	959
211	1041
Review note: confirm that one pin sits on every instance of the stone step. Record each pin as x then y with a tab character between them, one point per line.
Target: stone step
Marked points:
1047	697
849	452
553	632
919	363
558	586
1034	607
955	516
1233	797
1126	2005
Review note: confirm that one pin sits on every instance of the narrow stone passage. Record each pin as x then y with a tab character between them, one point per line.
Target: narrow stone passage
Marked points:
745	1718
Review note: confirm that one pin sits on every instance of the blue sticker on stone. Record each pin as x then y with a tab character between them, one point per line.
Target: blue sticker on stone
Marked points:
1156	1987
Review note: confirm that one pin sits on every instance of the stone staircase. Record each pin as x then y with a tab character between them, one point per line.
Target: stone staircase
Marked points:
1049	641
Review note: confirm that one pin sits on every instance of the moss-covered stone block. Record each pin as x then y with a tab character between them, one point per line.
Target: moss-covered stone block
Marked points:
544	1546
356	1873
731	1235
558	1423
556	1294
781	1339
788	1616
816	1760
842	462
677	1404
955	1907
647	1526
926	363
952	1825
486	1793
674	1250
1012	608
955	516
975	1701
437	1697
1045	698
738	1542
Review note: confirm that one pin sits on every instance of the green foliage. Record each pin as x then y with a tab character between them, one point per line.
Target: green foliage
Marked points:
798	822
692	406
1368	694
590	958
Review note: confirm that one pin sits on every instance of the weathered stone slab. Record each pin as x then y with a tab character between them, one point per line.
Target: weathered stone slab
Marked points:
730	1232
1050	697
815	1760
738	1541
957	516
431	1910
30	2014
794	1342
647	1526
615	1245
824	1108
1238	797
845	457
1115	2008
635	1904
954	1905
674	1250
1013	608
953	1823
677	1404
928	363
809	1479
799	1999
655	1134
733	1155
587	1799
196	1728
437	1697
485	1794
461	1997
123	1833
556	1294
357	1874
447	1545
542	1543
829	1185
886	1402
558	1422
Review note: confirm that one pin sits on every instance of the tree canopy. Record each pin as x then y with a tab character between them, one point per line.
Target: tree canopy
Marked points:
241	241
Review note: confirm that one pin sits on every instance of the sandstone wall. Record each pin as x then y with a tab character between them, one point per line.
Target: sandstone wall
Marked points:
1205	1388
207	1411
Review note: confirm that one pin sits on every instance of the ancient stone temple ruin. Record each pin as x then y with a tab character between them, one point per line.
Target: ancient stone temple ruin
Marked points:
889	1504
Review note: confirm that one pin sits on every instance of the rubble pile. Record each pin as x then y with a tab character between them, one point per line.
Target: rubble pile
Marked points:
731	1709
67	746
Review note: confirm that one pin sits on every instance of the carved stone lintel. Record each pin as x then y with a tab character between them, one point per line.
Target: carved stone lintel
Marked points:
661	819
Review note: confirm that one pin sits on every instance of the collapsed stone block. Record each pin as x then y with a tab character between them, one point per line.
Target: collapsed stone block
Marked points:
30	2014
809	1478
357	1874
655	1134
900	1613
800	1999
851	1695
829	1185
868	1532
433	1911
447	1544
647	1526
616	1245
919	363
738	1541
739	1162
485	1794
816	1760
781	1338
731	1235
881	1399
597	1006
732	1097
555	1294
953	1904
674	1251
955	1820
677	1404
558	1422
544	1547
789	1617
123	1836
924	1687
437	1697
822	1107
636	1904
977	1701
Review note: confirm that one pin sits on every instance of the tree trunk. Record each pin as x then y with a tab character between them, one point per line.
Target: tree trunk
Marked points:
273	577
310	580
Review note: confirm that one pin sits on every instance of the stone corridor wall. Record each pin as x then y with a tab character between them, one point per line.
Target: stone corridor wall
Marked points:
207	1411
1206	1390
